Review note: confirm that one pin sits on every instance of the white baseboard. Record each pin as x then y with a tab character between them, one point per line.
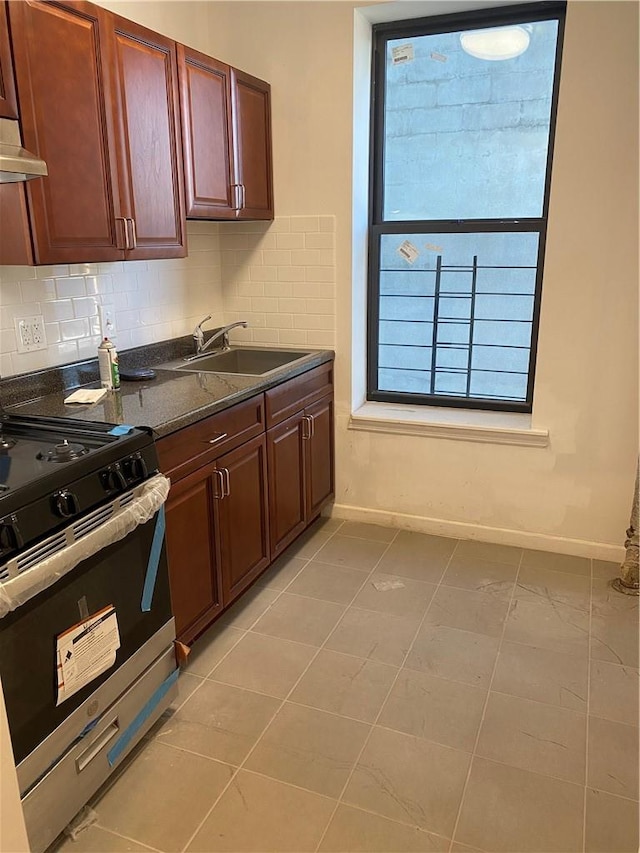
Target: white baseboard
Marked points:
462	530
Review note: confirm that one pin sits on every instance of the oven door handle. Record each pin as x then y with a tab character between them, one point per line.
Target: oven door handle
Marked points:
98	745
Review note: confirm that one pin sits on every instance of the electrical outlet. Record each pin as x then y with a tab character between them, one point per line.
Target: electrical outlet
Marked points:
30	333
107	318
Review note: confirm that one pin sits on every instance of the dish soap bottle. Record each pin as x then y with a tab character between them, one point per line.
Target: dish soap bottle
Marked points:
108	363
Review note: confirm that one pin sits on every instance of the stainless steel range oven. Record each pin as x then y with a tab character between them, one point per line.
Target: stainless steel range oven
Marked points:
86	632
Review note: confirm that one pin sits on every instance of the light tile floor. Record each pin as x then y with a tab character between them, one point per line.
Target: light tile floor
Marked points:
489	701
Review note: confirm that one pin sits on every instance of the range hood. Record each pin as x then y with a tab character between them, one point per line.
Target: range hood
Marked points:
16	163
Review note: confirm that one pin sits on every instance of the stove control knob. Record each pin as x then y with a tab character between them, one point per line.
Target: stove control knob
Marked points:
138	467
113	479
10	536
65	503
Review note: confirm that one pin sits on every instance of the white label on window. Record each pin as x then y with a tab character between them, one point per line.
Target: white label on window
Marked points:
439	57
85	651
402	53
432	247
408	251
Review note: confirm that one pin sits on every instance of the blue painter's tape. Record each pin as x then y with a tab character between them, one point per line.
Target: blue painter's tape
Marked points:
138	721
154	562
123	429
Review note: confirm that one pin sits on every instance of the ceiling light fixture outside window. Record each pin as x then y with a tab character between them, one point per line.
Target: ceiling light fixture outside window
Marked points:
496	43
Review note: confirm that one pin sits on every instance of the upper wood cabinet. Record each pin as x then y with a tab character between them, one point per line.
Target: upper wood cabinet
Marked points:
226	125
8	103
251	111
205	94
146	111
99	103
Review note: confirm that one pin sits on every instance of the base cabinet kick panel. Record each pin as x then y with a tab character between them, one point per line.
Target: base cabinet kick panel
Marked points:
245	483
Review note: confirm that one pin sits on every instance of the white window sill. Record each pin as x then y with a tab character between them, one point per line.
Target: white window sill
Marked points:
456	424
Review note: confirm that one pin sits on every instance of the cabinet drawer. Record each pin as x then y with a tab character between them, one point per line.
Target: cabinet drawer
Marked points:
287	399
188	449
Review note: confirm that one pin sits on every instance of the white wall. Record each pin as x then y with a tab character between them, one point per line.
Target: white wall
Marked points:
575	494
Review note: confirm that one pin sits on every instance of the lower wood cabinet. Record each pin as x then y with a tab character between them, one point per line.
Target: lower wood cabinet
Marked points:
300	453
194	567
240	493
242	521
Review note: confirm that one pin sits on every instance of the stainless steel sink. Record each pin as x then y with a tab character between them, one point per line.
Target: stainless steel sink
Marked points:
243	360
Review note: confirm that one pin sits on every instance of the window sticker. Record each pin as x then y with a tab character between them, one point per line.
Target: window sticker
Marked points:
402	53
439	57
85	651
408	251
432	247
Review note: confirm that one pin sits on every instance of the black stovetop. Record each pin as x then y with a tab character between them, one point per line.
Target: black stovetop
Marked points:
54	469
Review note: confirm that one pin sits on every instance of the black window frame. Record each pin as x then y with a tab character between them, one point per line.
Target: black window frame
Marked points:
455	22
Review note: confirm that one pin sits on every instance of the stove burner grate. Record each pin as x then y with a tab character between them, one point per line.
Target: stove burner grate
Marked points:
63	452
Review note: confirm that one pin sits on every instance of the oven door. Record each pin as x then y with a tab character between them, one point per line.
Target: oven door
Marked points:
131	577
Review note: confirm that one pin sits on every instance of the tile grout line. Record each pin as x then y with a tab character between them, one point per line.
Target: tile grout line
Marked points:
206	678
280	706
486	703
586	736
384	702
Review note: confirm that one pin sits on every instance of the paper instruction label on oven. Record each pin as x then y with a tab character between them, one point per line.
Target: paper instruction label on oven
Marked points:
85	651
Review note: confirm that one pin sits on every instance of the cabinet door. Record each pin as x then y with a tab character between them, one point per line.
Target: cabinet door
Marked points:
15	243
8	102
194	573
319	456
205	99
251	104
146	113
287	482
242	516
61	80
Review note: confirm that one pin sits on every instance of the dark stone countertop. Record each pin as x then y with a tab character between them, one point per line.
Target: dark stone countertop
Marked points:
167	403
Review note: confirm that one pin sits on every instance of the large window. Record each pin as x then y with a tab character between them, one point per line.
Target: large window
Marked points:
462	135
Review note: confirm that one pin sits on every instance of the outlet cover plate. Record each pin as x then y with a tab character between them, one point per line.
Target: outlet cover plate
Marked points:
30	333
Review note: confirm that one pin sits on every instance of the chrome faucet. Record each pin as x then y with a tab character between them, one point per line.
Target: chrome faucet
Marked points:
198	336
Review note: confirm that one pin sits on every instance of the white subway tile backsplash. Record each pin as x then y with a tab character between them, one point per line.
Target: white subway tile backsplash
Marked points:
36	290
319	241
97	285
289	241
9	312
263	273
11	295
277	257
292	306
291	273
279	276
293	337
305	223
320	274
57	271
266	336
72	329
85	307
60	309
66	288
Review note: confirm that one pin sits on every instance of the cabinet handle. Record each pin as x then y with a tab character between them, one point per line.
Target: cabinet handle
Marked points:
134	238
122	232
227	482
244	197
306	428
236	196
220	496
216	440
312	426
